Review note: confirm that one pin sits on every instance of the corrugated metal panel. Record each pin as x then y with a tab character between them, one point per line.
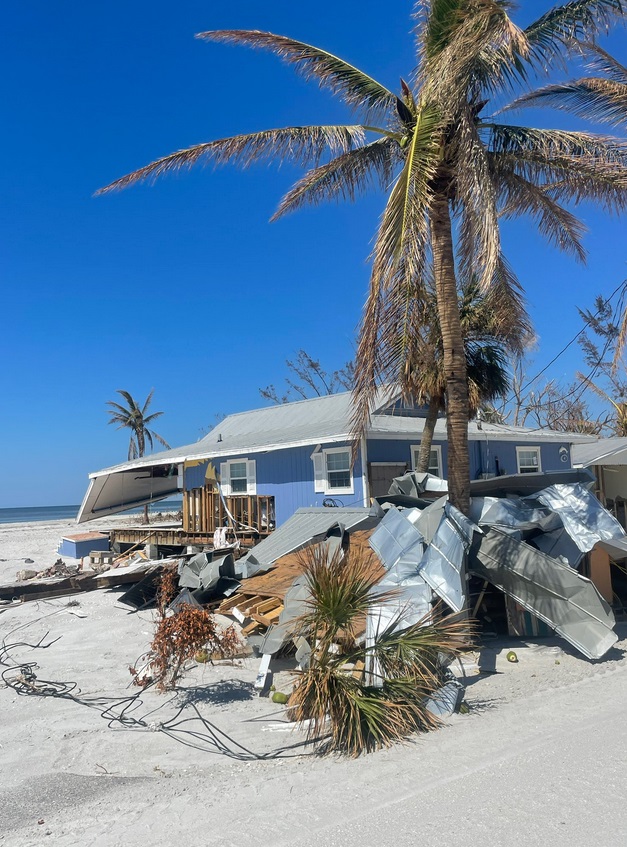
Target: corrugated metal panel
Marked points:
323	419
304	525
605	451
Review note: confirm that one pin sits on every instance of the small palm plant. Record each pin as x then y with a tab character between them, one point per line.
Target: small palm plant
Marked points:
361	696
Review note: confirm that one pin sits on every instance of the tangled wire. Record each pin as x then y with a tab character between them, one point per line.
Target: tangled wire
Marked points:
195	731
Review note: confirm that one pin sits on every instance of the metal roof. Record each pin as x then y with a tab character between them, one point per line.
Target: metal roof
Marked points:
604	451
305	524
322	420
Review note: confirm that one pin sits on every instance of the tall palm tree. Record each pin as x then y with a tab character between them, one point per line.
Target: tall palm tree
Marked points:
454	169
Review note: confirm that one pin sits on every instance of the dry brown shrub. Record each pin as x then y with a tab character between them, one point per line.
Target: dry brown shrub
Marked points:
180	636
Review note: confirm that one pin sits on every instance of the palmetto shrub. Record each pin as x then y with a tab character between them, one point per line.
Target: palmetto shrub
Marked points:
355	695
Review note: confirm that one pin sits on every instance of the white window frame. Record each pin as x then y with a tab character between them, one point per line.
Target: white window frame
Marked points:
437	448
251	477
534	468
321	472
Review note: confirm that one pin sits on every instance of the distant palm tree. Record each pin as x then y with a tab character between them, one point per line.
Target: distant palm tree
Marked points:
134	417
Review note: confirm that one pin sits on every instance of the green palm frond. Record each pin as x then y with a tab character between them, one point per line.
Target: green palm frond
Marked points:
344	177
301	144
354	86
362	712
592	98
580	20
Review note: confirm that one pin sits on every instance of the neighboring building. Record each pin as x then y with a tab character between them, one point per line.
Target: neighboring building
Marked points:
300	454
607	458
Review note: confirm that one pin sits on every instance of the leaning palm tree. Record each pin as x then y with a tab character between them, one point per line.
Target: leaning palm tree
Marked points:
455	170
134	417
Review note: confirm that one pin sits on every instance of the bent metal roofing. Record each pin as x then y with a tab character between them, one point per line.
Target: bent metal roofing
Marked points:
322	420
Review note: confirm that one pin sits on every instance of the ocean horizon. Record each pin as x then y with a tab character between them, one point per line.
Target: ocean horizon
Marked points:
27	514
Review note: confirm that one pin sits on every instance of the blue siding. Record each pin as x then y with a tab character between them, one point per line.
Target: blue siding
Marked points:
485	456
288	476
382	450
194	477
502	454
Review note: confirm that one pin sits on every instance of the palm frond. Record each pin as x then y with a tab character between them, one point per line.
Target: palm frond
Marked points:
147	404
398	262
354	86
510	322
344	177
555	223
148	418
556	143
480	243
580	20
592	98
302	145
161	440
363	714
478	48
602	62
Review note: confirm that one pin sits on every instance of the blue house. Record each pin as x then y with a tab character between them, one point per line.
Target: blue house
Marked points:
271	461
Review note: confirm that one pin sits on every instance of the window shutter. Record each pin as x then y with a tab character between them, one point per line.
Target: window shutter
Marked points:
319	472
251	476
225	480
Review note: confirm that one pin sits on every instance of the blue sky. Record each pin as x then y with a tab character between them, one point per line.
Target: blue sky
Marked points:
185	286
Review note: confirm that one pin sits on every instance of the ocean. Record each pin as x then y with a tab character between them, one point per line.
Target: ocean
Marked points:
59	513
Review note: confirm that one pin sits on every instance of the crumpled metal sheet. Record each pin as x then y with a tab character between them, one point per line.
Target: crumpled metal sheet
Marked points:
398	543
202	574
413	484
583	516
555	593
442	564
559	545
514	513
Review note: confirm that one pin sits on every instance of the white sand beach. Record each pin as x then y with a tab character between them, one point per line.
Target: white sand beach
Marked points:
538	759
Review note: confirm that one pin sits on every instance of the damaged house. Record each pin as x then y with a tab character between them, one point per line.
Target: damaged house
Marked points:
272	461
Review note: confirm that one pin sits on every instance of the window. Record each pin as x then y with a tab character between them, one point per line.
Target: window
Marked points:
238	477
528	459
435	459
332	471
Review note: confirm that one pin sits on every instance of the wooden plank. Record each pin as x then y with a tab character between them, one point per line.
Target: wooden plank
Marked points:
600	573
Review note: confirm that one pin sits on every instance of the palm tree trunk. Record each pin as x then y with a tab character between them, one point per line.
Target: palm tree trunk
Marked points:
458	471
424	456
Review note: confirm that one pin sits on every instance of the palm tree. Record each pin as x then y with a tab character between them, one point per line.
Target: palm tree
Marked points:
358	695
134	417
454	169
490	333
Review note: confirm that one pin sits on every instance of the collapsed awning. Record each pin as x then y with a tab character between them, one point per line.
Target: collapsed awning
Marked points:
111	493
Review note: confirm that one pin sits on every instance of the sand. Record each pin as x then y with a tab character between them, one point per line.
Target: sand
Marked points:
539	758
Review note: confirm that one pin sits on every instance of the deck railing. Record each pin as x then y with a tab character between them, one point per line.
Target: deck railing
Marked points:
204	511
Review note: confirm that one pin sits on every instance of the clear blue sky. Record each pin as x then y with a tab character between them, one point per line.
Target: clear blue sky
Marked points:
185	286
